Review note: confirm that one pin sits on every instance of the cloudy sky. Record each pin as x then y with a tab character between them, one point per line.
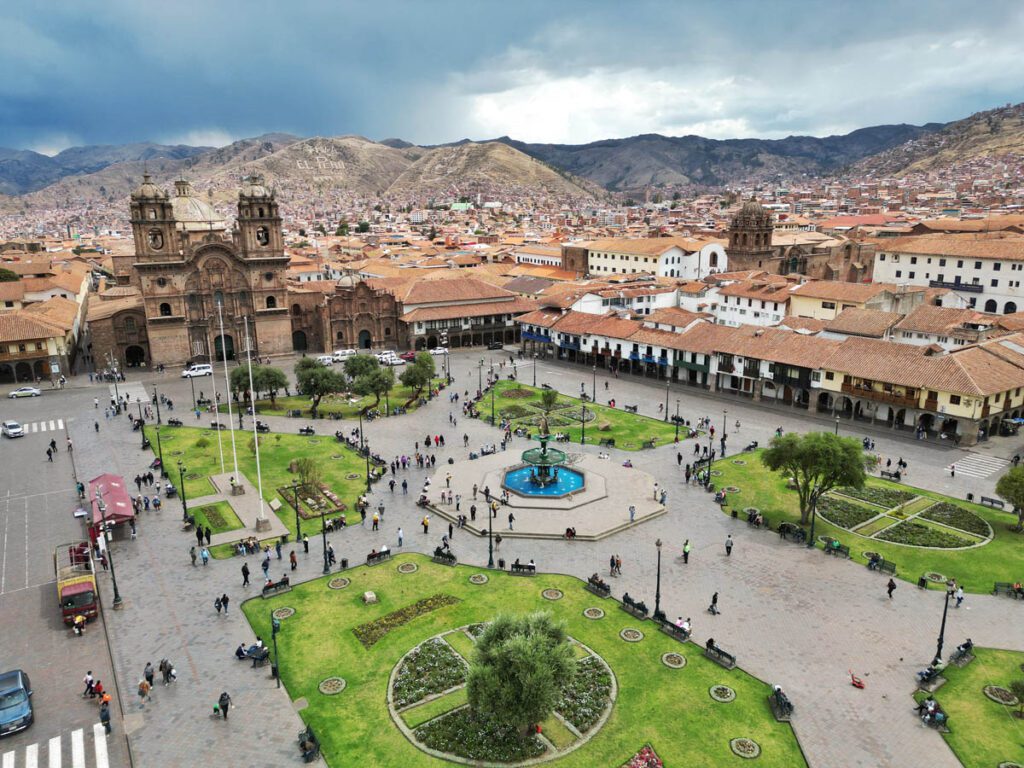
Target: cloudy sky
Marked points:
431	71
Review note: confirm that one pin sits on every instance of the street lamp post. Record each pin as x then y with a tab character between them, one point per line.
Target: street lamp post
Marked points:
593	396
534	369
156	402
677	420
181	486
113	369
275	627
367	452
490	538
160	453
480	377
814	516
298	523
583	424
142	427
725	423
945	610
667	383
192	381
360	414
323	531
657	588
492	406
837	425
118	602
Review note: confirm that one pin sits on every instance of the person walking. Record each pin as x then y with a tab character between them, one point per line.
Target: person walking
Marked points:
632	512
405	487
105	716
618	565
208	534
959	594
952	470
890	588
376	522
686	552
224	702
426	523
144	689
305	544
90	684
205	555
199	535
713	608
224	601
277	549
245	574
511	520
49	455
265	565
293	560
149	673
728	545
193	555
451	531
217	604
611	565
401	536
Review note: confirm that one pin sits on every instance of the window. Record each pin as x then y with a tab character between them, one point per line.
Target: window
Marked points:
21	347
995	283
954	399
960	264
129	324
881	257
997	266
899	273
913	259
829	375
165	310
942	262
832	304
940	277
943	339
218	298
910	275
977	265
387	332
161	282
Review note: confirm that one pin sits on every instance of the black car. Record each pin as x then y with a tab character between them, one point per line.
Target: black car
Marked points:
15	702
495	345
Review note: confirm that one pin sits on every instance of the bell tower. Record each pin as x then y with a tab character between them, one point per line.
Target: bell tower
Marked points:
152	217
259	221
750	237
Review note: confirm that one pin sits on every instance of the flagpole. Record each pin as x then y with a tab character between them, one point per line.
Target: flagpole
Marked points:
261	521
216	407
227	383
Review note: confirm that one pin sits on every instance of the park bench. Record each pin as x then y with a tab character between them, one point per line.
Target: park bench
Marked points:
260	657
599	588
651	443
939	719
607	442
633	607
378	557
720	656
884	566
891	475
294	413
269	590
630	408
309	745
522	569
1005	588
444	558
835	547
671	629
781	706
792	532
990	502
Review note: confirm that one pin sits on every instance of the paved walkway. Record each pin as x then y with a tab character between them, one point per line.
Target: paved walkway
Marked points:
245	505
791	615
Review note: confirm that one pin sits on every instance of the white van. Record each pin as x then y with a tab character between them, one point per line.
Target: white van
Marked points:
199	369
325	360
342	354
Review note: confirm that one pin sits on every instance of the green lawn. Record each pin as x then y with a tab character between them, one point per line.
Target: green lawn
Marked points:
219	517
629	430
276	452
1002	559
670	709
982	734
337	404
418	715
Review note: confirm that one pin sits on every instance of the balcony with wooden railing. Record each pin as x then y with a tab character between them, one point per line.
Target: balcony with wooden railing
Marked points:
881	396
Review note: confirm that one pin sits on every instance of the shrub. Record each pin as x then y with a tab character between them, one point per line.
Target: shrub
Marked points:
843	513
468	734
586	697
921	536
203	442
957	517
372	631
883	497
431	668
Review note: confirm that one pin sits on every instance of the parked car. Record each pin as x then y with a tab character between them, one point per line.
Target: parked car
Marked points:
408	355
325	360
342	354
439	351
15	702
12	429
495	345
25	392
200	369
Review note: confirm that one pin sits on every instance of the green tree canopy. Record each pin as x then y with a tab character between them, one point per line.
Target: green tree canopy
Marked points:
239	379
363	226
270	380
1011	488
817	462
377	382
7	276
548	400
419	374
520	665
360	365
309	472
316	380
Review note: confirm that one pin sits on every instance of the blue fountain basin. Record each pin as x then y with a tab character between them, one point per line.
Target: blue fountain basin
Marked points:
518	481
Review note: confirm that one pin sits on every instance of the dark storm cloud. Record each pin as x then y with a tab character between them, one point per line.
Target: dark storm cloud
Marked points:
433	71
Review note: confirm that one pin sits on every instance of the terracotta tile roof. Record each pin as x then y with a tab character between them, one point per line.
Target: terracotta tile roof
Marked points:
931	319
864	322
58	311
903	364
99	310
1013	321
21	326
12	291
675	316
758	289
840	291
544	318
651	246
63	281
995	245
515	306
463	289
807	324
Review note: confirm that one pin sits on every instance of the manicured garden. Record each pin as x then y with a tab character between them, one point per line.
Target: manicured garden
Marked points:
982	733
421	658
342	469
521	404
218	517
919	530
341	405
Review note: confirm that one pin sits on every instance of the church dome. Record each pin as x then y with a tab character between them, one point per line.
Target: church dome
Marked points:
253	186
191	212
147	190
752	208
347	281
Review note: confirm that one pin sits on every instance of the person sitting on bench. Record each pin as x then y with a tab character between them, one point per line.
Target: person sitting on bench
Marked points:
240	652
964	649
683	625
710	644
874	561
255	647
1018	589
932	671
926	705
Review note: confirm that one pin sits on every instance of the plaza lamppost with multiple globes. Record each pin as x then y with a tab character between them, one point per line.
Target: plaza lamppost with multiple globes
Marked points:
657	588
181	484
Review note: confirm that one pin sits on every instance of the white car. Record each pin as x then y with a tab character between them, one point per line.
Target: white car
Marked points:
343	354
325	360
202	369
393	360
12	429
439	351
25	392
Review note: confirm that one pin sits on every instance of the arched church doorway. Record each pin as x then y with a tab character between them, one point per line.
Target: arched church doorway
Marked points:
299	341
134	356
365	340
224	347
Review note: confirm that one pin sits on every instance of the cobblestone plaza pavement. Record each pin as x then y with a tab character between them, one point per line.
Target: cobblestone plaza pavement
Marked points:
791	616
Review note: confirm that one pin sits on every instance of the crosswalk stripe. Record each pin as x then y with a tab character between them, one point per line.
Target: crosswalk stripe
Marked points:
32	756
99	738
52	425
33	426
60	423
8	760
54	752
77	749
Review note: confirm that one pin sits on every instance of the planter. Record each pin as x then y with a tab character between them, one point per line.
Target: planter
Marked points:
739	462
745	748
175	453
716	473
552	594
1000	695
338	582
352	476
332	686
631	635
283	613
478	578
936	578
673	660
593	613
731	489
723	694
407	568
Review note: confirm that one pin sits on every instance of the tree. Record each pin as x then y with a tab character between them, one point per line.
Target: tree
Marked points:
270	380
239	380
419	374
363	226
7	276
316	380
520	665
433	233
817	462
375	383
548	400
309	473
1011	488
342	229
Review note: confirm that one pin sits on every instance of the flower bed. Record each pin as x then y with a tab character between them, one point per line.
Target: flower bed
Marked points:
372	631
957	517
883	497
475	630
465	734
517	394
516	411
645	758
1000	695
723	694
844	513
922	536
586	697
746	748
430	668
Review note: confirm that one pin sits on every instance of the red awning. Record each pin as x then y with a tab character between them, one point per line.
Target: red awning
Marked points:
114	492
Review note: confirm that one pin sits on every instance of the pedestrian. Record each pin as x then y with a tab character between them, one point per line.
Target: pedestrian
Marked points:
497	540
90	684
105	716
890	588
632	512
224	702
474	491
472	511
71	446
713	608
376	522
144	689
277	549
245	574
426	523
199	535
391	482
331	558
265	565
952	470
405	487
959	595
401	536
205	555
686	552
53	445
96	424
193	555
224	601
217	604
728	545
618	565
511	520
305	544
656	486
49	455
445	544
208	533
451	531
293	560
611	565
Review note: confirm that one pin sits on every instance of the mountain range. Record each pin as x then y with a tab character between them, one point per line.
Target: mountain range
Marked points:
354	165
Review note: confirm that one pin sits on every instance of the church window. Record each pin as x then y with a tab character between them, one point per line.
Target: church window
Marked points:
261	213
129	324
218	298
156	239
268	276
151	213
271	302
161	281
341	336
165	310
387	331
263	236
297	310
